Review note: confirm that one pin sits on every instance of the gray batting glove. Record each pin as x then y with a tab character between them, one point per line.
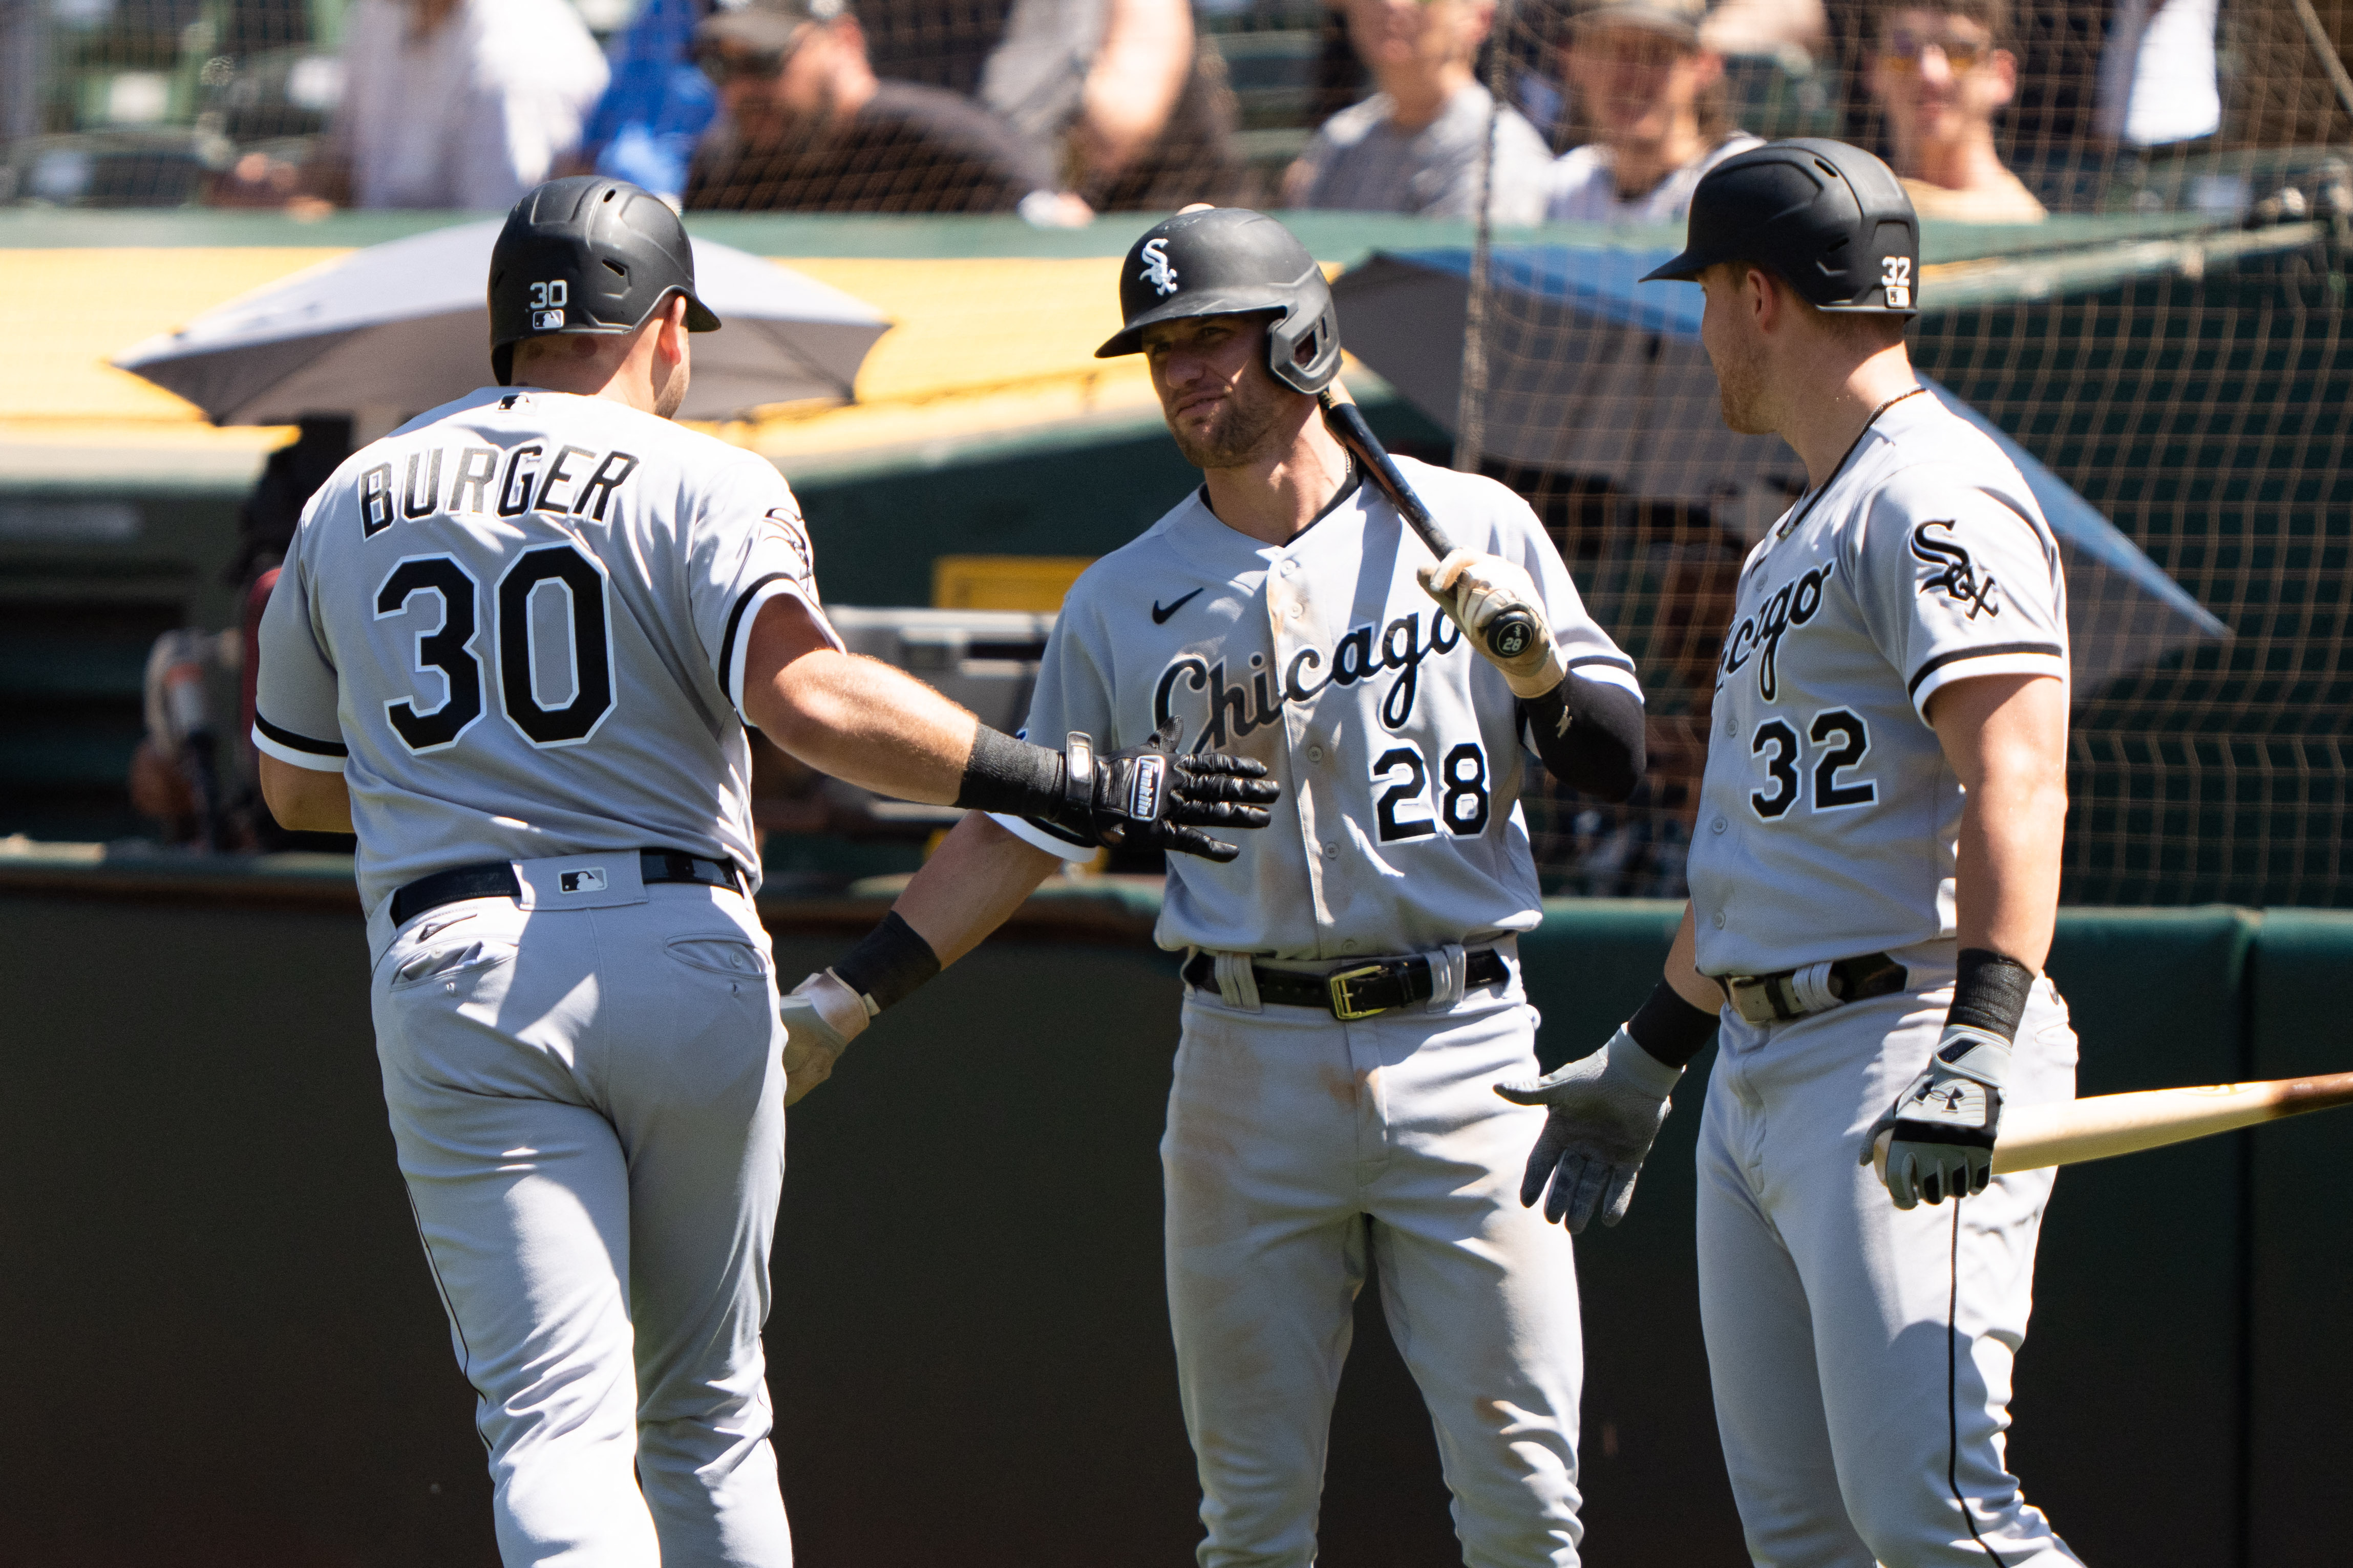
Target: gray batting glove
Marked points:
1945	1122
1606	1110
821	1015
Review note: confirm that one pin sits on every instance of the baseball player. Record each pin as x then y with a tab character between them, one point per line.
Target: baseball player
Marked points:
514	646
1873	882
1351	978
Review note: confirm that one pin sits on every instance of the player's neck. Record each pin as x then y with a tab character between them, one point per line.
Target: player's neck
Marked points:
1824	429
1273	499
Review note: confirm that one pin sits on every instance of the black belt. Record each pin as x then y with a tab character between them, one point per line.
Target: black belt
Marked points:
1380	986
1787	994
497	879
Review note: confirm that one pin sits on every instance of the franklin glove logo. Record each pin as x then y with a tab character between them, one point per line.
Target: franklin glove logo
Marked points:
1143	797
1156	268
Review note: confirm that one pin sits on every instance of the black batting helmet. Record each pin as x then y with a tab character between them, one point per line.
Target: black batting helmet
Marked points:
586	254
1224	261
1831	219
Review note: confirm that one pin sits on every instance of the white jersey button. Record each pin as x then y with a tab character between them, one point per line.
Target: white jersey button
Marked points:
1331	851
1314	753
1718	919
1717	827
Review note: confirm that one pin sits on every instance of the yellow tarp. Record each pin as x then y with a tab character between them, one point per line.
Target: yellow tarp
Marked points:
980	345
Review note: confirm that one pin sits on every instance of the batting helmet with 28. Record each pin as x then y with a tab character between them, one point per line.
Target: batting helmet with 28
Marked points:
1225	261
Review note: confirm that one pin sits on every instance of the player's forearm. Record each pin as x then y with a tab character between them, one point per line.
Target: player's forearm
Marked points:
2005	738
866	723
975	879
1147	54
1590	734
305	800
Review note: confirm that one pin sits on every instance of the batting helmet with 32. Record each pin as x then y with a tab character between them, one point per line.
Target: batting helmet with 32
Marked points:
1225	261
586	254
1830	219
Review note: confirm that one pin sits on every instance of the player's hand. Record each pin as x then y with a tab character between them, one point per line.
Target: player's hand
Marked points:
1606	1110
821	1015
1944	1124
1474	589
1148	797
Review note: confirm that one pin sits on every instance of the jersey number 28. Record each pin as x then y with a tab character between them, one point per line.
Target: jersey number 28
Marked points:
1462	803
448	647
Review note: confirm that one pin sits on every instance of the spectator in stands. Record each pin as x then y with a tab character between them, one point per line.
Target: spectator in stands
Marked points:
1125	95
1415	145
806	126
455	103
1794	32
1652	95
2158	81
658	105
1939	75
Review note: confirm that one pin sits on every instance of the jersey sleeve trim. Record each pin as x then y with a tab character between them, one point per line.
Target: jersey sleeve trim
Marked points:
1039	836
319	756
734	645
1961	663
1618	672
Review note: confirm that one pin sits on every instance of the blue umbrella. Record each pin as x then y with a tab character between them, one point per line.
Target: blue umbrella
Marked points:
1594	373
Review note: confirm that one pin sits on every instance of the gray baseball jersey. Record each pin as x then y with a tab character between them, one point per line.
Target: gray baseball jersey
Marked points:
1828	817
1399	750
516	626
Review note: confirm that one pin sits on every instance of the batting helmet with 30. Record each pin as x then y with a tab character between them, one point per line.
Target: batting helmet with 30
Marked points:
586	254
1224	261
1830	219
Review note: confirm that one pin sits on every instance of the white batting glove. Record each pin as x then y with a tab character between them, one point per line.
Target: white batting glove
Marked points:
1473	589
821	1015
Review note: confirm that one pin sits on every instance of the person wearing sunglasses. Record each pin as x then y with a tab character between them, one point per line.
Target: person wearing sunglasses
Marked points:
805	125
1939	76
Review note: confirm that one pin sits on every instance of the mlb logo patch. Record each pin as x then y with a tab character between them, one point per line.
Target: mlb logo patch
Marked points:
547	321
589	880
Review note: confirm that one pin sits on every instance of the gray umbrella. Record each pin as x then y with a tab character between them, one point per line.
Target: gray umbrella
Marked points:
403	327
1593	375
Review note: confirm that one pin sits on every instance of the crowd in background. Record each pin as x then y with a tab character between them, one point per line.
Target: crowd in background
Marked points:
1058	109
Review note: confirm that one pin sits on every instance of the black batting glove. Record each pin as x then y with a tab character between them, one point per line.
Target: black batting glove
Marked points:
1149	797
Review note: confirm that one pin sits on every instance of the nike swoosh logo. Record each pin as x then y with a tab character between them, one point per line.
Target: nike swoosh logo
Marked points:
1160	614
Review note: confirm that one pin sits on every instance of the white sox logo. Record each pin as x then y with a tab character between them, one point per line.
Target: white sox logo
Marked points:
1156	268
1955	575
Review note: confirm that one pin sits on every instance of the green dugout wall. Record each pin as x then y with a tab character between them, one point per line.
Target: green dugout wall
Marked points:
223	1349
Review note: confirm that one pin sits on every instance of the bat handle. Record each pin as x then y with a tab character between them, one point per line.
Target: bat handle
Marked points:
1512	633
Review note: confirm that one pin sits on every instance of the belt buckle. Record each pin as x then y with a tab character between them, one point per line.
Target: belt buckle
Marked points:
1343	1008
1752	995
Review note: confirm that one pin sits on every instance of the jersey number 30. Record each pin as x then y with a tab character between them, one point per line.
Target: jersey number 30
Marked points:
448	647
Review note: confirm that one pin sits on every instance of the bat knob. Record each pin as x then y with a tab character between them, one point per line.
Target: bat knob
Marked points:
1511	633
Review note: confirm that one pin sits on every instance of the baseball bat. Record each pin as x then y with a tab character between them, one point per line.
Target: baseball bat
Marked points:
1514	625
2077	1129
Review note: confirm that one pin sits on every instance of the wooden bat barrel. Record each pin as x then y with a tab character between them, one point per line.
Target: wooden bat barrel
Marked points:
2105	1125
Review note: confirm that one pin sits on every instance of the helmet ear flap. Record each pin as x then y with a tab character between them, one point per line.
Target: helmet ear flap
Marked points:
1305	357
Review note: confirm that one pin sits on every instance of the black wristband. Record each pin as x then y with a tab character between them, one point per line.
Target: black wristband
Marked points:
1010	776
1670	1028
1590	734
889	961
1990	992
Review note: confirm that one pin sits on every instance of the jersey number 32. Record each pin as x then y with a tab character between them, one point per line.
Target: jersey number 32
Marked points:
438	588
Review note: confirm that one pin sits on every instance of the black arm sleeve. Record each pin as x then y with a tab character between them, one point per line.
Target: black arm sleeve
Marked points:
1590	734
888	963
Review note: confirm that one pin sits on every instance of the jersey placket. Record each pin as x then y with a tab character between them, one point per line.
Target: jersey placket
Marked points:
1292	627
